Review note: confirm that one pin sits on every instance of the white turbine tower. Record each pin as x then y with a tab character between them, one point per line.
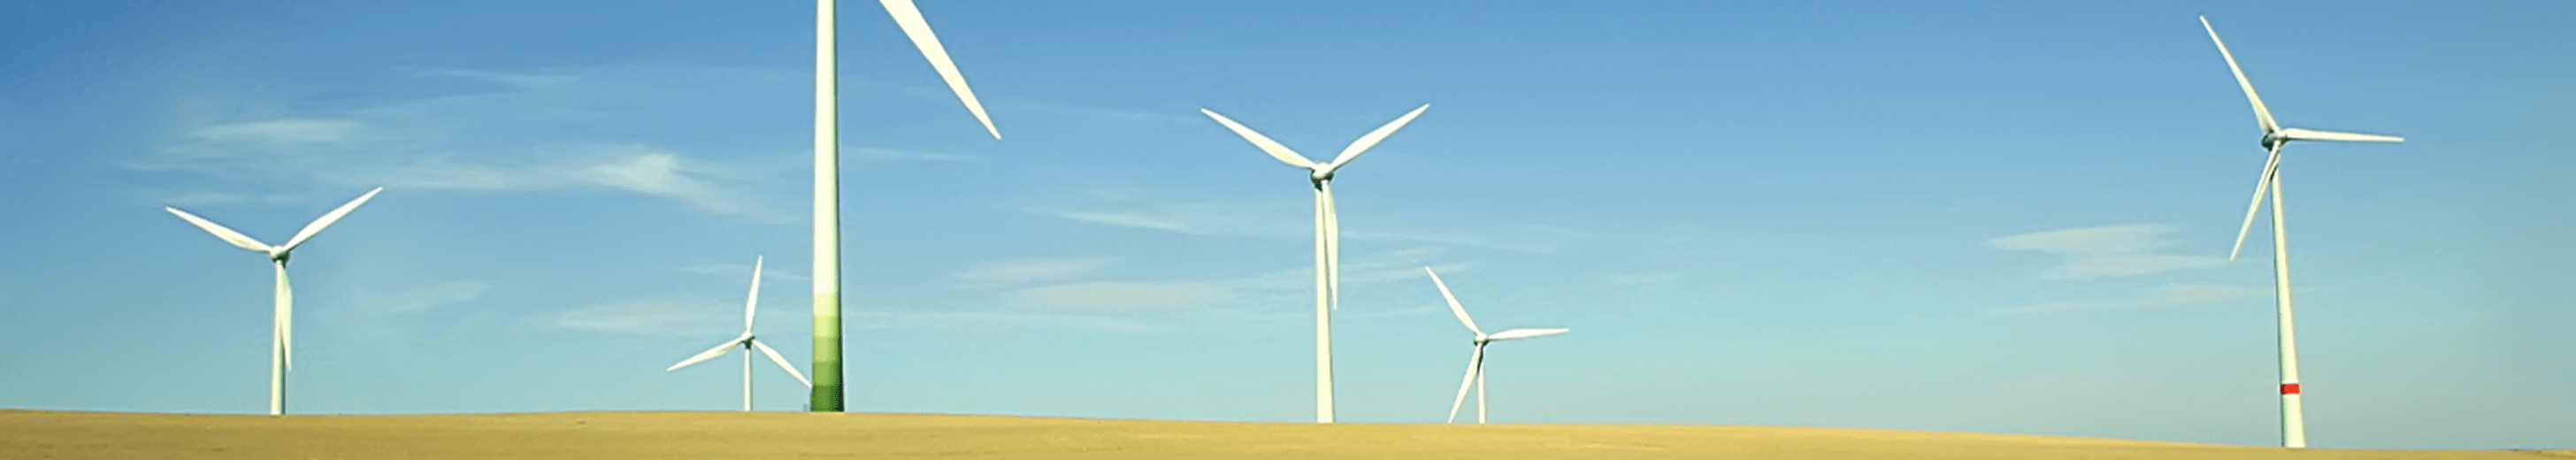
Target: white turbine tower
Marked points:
2293	425
1476	362
827	392
747	342
281	356
1328	238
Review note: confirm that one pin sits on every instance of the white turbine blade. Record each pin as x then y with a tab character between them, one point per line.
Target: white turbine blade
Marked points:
1373	137
2270	167
711	353
1473	362
2261	114
909	18
326	220
228	235
753	301
2315	135
782	362
1523	333
1271	147
285	317
1332	246
1453	302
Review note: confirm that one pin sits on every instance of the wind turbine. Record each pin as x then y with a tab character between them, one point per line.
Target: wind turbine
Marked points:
827	392
281	349
1328	237
1476	362
2294	431
747	343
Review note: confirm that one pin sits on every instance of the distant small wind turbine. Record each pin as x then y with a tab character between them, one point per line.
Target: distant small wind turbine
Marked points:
2294	431
1476	362
1328	237
749	308
281	356
827	395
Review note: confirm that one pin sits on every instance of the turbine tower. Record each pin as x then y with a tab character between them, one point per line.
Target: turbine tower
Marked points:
747	342
1476	362
1328	238
2294	432
828	389
281	350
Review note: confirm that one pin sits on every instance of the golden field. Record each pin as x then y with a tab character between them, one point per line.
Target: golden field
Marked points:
715	435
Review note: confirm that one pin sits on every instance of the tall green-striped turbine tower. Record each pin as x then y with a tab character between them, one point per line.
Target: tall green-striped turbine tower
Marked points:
828	387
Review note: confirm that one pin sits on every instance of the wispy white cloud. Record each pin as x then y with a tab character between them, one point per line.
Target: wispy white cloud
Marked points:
1016	271
2172	295
661	173
190	198
386	312
887	155
1092	113
2107	251
1269	216
522	80
1077	287
422	298
732	270
276	132
992	320
1178	212
531	131
682	315
1644	278
1358	270
1122	296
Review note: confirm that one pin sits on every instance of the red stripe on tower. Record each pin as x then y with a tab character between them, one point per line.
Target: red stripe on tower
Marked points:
2290	388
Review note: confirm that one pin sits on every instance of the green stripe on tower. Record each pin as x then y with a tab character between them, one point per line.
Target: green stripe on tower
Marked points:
826	396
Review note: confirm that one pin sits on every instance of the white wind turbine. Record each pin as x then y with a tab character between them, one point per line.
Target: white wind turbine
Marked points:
827	392
747	342
2293	424
1328	237
281	356
1476	362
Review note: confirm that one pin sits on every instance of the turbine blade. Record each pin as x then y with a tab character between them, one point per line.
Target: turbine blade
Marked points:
1480	383
285	317
909	18
1373	137
1332	246
753	301
782	362
326	220
1323	268
228	235
1453	302
2270	167
2261	114
711	353
1271	147
1523	333
2315	135
1472	361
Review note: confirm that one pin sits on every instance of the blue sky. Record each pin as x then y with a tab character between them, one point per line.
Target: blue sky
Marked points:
2007	217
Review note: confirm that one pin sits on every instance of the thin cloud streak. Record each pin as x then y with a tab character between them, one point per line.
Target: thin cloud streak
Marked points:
2107	251
521	135
2173	295
1202	214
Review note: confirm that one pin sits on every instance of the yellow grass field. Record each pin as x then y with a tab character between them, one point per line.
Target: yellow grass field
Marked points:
723	435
